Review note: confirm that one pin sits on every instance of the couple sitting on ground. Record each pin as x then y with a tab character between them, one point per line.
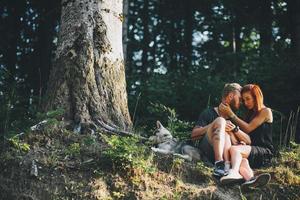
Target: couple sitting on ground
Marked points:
233	144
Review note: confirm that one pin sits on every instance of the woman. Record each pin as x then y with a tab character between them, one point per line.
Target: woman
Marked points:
258	125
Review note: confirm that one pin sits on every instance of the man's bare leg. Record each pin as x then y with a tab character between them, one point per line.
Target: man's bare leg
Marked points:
216	137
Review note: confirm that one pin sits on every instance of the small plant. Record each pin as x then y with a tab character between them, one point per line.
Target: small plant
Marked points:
125	152
204	169
118	195
286	127
243	197
291	156
52	117
286	175
21	146
73	149
88	141
177	165
52	160
180	129
55	113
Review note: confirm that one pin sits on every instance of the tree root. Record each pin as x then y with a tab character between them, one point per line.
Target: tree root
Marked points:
113	129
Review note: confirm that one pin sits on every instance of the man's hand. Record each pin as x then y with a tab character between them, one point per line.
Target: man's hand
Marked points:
229	128
199	131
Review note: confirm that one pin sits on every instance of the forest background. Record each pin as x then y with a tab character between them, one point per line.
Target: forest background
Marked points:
178	56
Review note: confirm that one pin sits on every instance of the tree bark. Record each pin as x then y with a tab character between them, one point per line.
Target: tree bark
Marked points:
125	28
88	75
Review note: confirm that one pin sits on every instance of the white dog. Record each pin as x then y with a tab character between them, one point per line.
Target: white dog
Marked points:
166	144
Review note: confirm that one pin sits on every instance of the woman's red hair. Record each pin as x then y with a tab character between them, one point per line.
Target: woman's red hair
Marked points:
257	95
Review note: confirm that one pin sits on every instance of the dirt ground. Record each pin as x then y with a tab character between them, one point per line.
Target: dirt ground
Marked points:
70	166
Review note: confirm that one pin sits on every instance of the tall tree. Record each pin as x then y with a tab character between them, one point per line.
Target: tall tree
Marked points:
188	34
13	24
146	41
293	7
236	15
294	25
265	24
88	75
48	16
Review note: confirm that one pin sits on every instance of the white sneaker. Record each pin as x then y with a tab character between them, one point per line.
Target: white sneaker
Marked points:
232	177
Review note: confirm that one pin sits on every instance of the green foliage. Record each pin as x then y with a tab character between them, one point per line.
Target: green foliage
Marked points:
73	149
52	160
126	153
21	146
13	136
88	141
16	112
284	128
52	114
180	129
286	167
243	197
204	169
118	195
185	69
177	166
291	154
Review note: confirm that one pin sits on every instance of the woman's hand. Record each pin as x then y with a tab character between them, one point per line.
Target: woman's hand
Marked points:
224	108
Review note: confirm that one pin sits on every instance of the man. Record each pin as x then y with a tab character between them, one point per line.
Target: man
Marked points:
215	133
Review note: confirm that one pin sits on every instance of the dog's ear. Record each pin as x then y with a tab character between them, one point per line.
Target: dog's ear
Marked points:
159	125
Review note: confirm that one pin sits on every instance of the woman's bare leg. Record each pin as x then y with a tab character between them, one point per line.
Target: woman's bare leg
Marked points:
237	153
245	169
226	154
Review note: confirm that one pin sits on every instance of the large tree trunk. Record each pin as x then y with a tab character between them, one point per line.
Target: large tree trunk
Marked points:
125	28
88	75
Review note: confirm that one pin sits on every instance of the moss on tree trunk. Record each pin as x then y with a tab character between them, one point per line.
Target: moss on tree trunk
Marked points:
88	74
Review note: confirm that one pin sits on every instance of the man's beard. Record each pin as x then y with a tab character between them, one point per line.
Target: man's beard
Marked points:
233	105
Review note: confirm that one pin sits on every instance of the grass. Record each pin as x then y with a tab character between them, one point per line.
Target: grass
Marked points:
136	171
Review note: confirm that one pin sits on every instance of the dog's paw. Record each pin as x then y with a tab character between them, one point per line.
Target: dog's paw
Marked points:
185	157
161	151
154	149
